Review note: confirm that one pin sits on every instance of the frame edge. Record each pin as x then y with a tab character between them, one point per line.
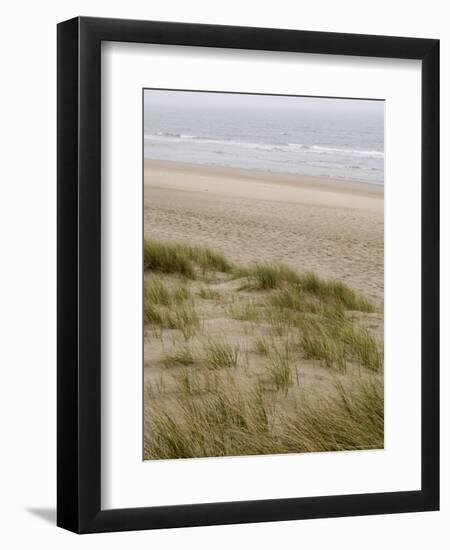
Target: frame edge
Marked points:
67	275
430	275
78	175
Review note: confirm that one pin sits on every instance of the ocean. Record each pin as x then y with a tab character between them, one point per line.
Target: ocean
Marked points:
336	138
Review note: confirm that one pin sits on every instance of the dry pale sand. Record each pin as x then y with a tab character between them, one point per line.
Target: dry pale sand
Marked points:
334	228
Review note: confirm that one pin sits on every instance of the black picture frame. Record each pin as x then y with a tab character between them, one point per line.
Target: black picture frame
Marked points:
79	281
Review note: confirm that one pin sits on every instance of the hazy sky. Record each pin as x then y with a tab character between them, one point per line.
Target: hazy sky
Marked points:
163	99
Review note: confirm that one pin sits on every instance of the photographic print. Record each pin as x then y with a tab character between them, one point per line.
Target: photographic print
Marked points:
263	270
224	263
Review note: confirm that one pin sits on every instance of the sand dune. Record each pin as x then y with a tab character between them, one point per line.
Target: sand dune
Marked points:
332	227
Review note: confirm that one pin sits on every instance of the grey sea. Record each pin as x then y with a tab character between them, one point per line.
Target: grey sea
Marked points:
326	137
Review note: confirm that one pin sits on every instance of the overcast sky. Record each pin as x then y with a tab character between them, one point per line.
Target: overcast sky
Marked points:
163	99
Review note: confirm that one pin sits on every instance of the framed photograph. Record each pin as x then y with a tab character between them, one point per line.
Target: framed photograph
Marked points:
248	275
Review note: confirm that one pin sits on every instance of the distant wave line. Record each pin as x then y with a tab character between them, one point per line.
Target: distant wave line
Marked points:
283	147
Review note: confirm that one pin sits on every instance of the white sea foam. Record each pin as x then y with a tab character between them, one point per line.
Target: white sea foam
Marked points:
295	147
342	142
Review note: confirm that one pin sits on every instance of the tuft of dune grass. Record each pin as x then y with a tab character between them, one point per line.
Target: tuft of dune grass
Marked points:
334	292
247	311
223	422
192	382
169	308
262	346
219	354
322	342
170	257
334	339
280	320
185	319
208	260
279	367
228	421
363	347
159	294
208	293
183	356
327	296
352	419
266	276
167	258
301	290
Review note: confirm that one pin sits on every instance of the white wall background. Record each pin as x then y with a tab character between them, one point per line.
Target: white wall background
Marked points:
28	270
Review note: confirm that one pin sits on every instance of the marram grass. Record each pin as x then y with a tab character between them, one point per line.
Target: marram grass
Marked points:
170	257
170	308
228	421
201	406
334	339
219	354
266	276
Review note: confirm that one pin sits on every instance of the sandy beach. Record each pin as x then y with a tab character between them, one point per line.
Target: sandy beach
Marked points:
332	227
213	339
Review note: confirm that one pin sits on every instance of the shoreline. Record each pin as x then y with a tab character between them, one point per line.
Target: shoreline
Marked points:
334	184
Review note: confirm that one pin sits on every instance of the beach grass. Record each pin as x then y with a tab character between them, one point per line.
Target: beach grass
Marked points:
266	276
247	311
171	257
208	293
350	419
195	382
279	367
219	354
179	317
159	294
335	293
229	420
167	257
182	356
209	260
262	345
236	389
320	340
336	339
